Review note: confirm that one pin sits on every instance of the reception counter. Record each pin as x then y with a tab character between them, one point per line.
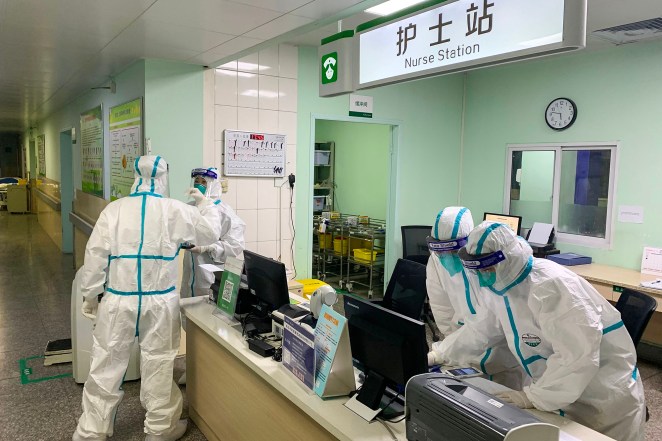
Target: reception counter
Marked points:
236	395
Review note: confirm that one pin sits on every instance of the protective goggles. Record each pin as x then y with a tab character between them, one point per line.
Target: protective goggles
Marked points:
205	173
440	246
480	261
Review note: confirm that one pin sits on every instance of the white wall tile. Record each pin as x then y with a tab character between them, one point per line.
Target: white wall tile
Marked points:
251	246
267	194
247	90
285	222
286	253
226	118
250	218
291	157
246	193
288	59
268	121
287	125
232	65
269	61
230	197
268	92
287	94
268	249
226	87
247	119
217	161
267	224
250	63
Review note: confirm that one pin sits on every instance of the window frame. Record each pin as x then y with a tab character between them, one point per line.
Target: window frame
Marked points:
558	149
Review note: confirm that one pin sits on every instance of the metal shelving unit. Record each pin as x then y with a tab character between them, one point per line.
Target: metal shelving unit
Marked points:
374	234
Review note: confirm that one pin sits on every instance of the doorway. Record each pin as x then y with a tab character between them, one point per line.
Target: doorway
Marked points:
353	169
66	190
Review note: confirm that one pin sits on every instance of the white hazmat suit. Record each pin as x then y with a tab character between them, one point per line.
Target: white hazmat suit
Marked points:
568	338
195	281
136	240
454	300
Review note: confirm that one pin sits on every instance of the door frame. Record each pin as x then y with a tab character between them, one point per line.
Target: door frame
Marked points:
392	218
66	189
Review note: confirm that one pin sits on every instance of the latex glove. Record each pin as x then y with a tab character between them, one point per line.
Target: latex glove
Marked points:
196	195
432	359
200	249
90	308
517	398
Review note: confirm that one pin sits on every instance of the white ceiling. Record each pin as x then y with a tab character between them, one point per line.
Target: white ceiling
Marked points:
51	51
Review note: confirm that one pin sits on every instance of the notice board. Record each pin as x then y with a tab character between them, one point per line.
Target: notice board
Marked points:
254	154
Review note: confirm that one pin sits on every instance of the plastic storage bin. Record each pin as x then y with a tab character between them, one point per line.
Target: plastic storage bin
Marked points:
310	286
326	240
322	157
365	254
340	245
319	202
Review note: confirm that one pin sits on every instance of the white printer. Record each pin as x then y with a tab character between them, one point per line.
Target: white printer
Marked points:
443	408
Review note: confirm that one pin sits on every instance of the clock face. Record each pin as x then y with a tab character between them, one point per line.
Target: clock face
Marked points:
561	113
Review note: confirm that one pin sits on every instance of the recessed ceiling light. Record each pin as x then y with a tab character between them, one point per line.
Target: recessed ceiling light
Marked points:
392	6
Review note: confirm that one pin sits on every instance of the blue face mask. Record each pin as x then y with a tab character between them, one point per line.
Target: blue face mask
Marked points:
201	187
486	278
451	263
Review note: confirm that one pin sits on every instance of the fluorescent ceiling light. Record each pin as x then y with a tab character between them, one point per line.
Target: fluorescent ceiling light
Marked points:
392	6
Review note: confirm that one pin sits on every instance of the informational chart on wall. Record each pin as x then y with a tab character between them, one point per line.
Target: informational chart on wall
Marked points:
91	150
255	154
126	144
41	155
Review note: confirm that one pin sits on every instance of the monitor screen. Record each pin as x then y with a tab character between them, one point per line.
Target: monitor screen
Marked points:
514	222
266	280
386	342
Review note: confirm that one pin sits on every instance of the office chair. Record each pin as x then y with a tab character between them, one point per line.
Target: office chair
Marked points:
414	245
636	310
406	292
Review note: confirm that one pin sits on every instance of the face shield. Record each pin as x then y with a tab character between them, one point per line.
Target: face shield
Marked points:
482	265
202	179
446	252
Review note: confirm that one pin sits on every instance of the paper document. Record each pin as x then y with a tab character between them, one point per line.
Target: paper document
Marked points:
209	267
540	233
651	261
654	284
633	214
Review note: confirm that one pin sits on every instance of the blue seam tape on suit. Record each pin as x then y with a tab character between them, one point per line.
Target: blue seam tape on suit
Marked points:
436	225
613	327
140	250
483	238
456	226
516	335
484	360
467	292
140	293
520	279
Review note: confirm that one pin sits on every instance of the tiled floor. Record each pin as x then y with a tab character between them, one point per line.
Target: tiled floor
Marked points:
35	289
35	285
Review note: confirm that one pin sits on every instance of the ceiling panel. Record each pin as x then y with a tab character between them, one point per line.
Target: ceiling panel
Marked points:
212	15
278	26
231	47
275	5
324	8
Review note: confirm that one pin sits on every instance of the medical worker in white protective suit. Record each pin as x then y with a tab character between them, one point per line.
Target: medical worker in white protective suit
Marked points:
455	299
568	338
137	239
196	281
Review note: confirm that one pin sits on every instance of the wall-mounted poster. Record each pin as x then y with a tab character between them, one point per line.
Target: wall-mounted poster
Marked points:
91	150
41	155
126	144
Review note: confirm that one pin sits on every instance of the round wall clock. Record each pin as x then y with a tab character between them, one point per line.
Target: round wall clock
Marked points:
561	113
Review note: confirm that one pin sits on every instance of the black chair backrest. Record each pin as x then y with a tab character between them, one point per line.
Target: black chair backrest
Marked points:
406	291
414	244
636	310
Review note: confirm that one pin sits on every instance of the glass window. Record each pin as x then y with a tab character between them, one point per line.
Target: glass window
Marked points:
569	185
584	192
532	186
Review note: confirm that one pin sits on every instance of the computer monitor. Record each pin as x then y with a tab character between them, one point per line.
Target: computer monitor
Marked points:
267	281
514	222
389	347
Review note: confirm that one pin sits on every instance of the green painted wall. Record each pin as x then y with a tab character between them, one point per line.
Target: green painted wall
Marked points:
617	92
430	115
174	118
361	165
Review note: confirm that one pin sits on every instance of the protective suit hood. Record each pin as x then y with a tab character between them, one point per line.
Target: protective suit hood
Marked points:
452	223
151	174
489	237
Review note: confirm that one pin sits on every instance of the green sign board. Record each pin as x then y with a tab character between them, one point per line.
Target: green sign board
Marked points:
229	288
330	68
